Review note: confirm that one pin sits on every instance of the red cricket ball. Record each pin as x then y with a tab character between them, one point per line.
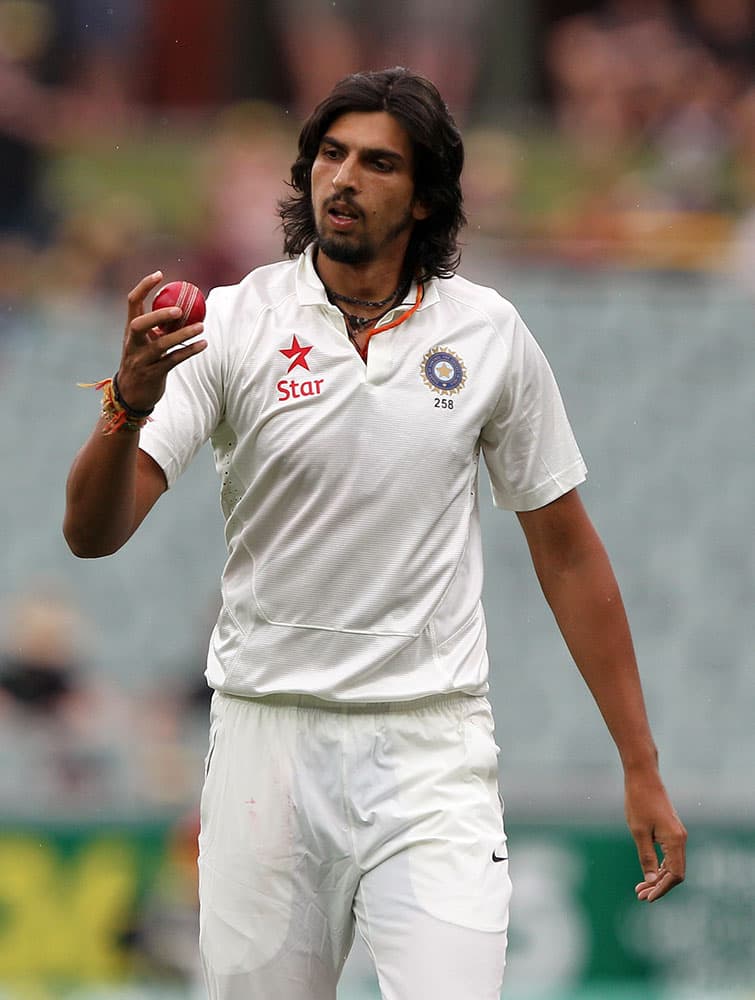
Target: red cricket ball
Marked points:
185	295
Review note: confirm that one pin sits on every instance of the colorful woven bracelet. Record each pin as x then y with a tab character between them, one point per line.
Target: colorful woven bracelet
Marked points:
116	413
131	410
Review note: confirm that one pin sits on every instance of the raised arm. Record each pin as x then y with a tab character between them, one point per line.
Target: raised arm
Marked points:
579	585
112	485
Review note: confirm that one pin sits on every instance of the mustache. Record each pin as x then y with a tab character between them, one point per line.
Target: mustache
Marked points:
342	199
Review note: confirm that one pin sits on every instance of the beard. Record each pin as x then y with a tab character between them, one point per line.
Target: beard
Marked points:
344	249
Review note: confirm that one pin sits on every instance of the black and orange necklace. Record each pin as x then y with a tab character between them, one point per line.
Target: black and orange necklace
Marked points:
356	325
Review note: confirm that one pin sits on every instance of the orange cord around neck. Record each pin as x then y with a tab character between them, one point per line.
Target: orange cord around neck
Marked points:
362	351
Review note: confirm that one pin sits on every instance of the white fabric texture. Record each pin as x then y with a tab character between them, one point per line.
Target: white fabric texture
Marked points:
354	568
317	818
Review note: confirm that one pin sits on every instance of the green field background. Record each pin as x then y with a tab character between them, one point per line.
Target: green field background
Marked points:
75	898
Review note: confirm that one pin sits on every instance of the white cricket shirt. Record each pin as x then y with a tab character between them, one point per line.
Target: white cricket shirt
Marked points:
354	569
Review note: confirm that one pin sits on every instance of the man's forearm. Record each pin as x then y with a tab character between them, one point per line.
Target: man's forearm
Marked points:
585	599
101	493
580	587
112	485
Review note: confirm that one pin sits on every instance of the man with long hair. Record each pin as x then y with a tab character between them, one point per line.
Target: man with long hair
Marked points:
348	393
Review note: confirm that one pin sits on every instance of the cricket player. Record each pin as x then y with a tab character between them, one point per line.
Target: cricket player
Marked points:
348	393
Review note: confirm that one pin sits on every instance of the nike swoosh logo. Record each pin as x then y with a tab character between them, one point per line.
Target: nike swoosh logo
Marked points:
501	857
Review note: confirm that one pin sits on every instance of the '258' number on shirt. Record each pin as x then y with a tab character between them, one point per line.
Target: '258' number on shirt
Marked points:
444	403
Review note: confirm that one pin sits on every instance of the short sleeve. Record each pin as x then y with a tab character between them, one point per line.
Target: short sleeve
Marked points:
191	407
528	444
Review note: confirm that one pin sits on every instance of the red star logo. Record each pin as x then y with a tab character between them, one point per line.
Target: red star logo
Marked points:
296	354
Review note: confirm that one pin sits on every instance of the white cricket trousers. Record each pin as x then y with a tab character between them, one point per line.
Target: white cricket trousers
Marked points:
317	817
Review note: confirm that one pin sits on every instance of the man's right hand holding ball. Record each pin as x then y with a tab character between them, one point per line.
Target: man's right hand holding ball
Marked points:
149	353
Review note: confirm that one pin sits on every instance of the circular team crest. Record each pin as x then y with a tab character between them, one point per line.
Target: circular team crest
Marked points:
443	371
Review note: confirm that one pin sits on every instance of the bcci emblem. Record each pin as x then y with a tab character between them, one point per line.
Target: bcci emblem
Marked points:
443	371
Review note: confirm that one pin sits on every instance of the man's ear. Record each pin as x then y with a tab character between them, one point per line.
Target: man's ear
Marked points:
420	210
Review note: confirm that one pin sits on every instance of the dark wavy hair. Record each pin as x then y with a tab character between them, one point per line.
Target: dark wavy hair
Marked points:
438	150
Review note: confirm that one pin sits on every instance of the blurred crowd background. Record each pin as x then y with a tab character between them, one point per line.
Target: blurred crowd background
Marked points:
610	190
598	133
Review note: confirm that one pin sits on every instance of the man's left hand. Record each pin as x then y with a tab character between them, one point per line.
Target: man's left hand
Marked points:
653	820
